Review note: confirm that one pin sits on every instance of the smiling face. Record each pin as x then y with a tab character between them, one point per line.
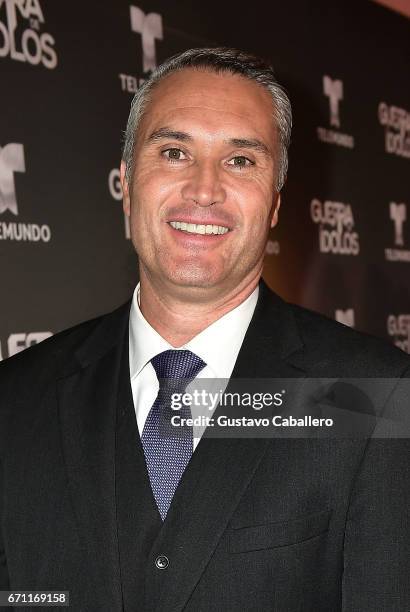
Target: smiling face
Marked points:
201	198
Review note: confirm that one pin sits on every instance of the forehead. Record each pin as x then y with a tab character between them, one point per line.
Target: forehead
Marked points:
221	100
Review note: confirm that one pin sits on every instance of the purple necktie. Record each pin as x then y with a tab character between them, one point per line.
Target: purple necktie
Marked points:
168	448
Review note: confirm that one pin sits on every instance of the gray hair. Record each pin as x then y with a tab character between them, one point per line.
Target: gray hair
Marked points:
217	59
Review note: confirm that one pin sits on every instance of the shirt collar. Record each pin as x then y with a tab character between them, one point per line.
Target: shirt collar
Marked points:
217	345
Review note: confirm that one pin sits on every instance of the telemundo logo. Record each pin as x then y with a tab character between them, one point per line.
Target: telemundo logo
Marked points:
12	160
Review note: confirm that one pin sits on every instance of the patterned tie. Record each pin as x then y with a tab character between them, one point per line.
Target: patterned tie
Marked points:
168	449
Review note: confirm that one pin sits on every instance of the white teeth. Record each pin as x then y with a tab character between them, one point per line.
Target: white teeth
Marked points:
193	228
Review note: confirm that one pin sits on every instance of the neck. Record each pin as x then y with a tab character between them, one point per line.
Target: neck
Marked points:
179	316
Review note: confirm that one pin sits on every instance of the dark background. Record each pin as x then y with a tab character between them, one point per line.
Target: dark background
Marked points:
70	118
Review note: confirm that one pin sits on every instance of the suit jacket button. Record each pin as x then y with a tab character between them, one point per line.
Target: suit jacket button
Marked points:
162	562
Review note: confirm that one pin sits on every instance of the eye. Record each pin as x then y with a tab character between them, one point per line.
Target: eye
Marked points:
240	161
173	154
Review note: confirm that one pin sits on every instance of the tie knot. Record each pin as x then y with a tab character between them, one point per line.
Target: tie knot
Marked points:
174	365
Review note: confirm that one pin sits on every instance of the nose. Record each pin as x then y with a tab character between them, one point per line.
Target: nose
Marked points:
204	185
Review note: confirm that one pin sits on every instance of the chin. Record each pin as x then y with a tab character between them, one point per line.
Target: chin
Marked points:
194	278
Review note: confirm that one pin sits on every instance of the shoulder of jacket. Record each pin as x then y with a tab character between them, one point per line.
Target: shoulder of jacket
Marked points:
43	360
362	354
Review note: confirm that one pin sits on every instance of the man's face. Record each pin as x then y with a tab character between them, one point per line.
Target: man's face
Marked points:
205	157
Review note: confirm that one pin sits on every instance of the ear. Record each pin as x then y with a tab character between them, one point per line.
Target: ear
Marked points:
275	214
126	202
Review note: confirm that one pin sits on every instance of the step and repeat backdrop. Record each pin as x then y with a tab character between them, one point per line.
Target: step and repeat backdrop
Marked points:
68	71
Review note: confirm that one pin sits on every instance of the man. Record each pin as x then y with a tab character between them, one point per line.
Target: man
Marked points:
94	499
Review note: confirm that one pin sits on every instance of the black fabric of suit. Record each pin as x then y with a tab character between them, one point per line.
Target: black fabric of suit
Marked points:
256	524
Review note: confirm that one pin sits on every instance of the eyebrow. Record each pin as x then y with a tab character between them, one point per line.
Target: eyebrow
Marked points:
244	143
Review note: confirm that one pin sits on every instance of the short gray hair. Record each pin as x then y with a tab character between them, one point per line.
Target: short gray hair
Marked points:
216	59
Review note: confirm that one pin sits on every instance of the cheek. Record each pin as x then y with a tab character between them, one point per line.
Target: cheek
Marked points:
256	208
143	201
153	189
258	232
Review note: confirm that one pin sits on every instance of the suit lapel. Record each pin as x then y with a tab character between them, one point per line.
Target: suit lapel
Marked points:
272	341
87	409
221	469
138	518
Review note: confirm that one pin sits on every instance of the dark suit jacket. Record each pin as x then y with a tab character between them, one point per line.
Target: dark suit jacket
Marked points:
283	525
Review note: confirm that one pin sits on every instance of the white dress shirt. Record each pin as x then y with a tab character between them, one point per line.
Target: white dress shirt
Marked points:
218	346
